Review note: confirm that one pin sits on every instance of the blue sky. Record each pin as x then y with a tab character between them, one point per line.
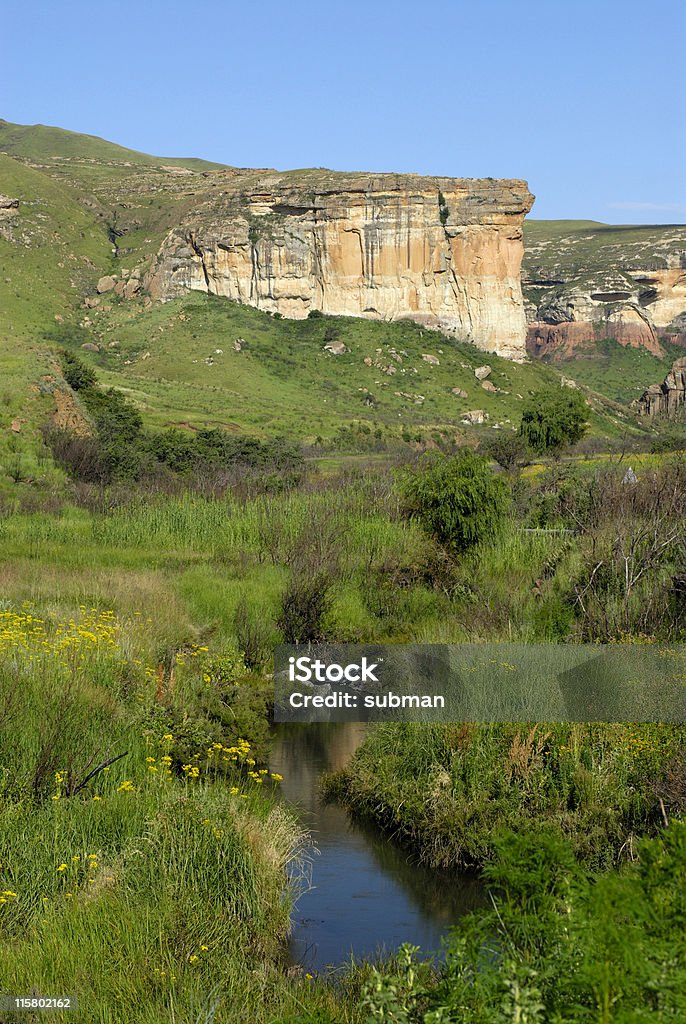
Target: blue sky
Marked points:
585	99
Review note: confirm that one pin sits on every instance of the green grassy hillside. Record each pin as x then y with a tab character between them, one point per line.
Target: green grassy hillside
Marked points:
88	208
39	142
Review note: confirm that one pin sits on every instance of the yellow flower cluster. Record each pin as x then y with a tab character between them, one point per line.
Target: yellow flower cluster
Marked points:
23	632
77	871
6	896
191	651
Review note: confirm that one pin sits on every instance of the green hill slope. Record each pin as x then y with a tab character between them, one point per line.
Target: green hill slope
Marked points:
88	208
39	142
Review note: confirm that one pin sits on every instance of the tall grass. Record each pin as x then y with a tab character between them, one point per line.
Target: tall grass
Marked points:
149	886
448	790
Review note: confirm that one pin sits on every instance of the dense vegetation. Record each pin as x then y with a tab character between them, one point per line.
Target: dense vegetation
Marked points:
162	537
217	577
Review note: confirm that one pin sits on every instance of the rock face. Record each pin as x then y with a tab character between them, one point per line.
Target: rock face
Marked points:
8	207
588	282
629	326
667	399
445	252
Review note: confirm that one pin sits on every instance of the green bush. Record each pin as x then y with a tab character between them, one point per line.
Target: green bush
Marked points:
77	374
556	945
552	420
458	500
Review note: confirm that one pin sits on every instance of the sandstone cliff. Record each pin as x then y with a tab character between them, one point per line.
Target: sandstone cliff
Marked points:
445	252
667	399
584	282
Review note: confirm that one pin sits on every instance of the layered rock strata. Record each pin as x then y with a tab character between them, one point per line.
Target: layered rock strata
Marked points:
667	399
445	252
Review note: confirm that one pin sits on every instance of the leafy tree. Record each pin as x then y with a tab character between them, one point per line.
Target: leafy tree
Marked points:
459	500
505	448
551	420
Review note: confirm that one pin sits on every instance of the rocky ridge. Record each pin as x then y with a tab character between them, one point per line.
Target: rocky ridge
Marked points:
445	252
667	399
586	282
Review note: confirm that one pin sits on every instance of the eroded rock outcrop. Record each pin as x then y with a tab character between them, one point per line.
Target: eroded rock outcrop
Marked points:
445	252
589	282
8	208
667	399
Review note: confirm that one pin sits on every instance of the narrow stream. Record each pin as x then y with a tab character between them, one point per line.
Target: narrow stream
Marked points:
367	895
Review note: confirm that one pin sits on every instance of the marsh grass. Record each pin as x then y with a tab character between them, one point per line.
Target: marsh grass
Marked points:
448	790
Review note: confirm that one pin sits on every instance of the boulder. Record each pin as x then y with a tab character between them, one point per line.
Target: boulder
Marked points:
474	417
489	386
432	360
336	348
482	372
131	288
106	284
459	392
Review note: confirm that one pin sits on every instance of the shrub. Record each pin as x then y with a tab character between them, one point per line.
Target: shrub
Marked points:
304	605
77	374
505	448
458	500
551	420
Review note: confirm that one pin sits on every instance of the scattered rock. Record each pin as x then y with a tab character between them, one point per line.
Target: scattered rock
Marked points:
367	361
474	417
417	399
489	386
131	288
482	372
8	204
59	318
432	360
91	302
90	346
15	425
459	392
336	348
238	344
106	284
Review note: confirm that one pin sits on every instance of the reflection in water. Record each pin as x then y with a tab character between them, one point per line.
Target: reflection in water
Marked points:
367	895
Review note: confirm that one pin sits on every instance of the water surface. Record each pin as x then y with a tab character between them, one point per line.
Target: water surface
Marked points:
367	895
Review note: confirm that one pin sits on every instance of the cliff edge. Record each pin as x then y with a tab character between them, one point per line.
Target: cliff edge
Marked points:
445	252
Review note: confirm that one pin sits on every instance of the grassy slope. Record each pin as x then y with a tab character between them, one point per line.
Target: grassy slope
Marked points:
284	380
570	247
56	249
281	381
38	142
